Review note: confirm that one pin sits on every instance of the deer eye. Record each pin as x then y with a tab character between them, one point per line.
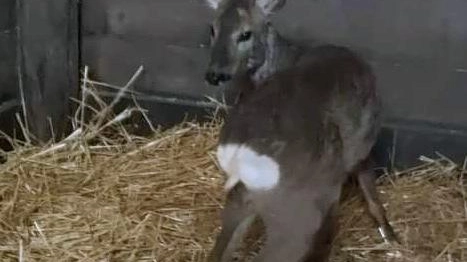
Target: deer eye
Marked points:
245	36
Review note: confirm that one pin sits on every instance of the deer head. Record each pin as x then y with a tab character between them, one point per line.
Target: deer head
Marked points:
238	37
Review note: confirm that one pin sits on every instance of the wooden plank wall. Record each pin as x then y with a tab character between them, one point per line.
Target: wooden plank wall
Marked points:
48	62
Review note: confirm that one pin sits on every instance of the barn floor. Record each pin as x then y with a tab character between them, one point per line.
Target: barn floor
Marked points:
125	198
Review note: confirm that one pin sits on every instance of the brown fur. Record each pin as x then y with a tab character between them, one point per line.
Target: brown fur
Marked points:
317	116
323	114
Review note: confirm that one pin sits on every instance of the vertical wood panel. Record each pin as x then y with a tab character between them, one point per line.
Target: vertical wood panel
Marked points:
9	100
48	62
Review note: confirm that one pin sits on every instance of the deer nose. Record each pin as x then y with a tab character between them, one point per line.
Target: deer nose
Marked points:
214	78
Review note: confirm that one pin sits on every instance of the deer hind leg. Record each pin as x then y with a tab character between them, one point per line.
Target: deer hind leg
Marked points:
366	180
237	217
321	249
300	238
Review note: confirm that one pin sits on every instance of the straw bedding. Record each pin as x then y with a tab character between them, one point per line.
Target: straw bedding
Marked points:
112	196
114	202
158	199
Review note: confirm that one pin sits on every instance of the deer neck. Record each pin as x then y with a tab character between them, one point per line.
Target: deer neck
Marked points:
279	54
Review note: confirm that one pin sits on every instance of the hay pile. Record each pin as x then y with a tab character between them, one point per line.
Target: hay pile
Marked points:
146	200
427	207
105	195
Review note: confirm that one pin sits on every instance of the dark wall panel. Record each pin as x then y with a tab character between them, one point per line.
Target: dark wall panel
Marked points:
38	55
418	48
9	96
49	47
167	37
169	68
8	83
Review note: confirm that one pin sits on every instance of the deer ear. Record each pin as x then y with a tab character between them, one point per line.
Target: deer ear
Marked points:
270	6
214	4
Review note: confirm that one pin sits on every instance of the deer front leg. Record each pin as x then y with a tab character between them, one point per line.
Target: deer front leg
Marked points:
237	217
366	180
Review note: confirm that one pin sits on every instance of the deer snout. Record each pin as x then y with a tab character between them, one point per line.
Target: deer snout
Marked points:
215	78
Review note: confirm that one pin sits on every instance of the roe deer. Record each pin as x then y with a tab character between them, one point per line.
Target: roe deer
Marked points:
302	122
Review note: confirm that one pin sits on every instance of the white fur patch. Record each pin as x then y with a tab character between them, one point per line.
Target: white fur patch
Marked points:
241	163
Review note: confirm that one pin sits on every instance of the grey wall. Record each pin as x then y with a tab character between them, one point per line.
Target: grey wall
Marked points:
418	47
165	36
9	95
48	40
38	52
8	86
